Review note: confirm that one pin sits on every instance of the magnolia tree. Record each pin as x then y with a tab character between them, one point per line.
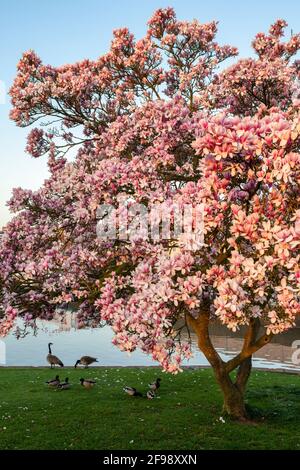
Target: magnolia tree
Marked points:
152	121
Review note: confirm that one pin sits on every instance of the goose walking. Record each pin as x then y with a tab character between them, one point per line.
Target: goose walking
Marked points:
86	383
54	382
85	361
155	385
132	392
53	360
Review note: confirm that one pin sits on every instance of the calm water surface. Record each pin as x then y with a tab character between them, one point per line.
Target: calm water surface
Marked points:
71	344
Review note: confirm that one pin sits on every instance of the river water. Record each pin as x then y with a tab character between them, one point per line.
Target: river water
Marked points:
69	344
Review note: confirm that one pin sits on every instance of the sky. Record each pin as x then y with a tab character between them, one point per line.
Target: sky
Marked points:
65	31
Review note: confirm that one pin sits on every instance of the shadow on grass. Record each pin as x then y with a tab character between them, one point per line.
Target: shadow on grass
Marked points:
279	403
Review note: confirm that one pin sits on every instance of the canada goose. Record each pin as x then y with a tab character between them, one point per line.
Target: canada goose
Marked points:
86	383
150	394
132	392
64	385
155	385
85	361
54	382
53	360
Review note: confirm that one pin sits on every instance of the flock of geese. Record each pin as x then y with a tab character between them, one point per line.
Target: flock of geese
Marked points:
87	383
154	386
56	383
55	361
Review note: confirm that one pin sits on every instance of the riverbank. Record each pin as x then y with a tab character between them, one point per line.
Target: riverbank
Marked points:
185	415
278	370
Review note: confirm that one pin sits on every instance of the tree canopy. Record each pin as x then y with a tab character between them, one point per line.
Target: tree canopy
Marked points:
158	120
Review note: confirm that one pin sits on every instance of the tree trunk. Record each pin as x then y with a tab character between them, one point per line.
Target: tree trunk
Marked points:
233	405
233	392
243	374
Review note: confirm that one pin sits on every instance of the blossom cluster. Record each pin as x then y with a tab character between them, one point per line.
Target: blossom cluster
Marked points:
179	134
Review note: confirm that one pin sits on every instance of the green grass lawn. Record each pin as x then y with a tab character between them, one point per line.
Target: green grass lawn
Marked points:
185	415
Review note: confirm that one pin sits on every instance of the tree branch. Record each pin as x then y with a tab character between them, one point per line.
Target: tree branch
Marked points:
248	350
245	367
200	326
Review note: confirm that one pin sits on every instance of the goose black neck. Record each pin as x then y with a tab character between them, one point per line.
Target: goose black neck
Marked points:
49	347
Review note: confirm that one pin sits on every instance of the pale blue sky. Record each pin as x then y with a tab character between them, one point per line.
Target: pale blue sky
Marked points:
64	31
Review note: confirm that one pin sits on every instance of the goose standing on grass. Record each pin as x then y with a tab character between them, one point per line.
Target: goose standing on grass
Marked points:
86	383
150	395
53	360
85	361
54	382
132	392
155	385
64	385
